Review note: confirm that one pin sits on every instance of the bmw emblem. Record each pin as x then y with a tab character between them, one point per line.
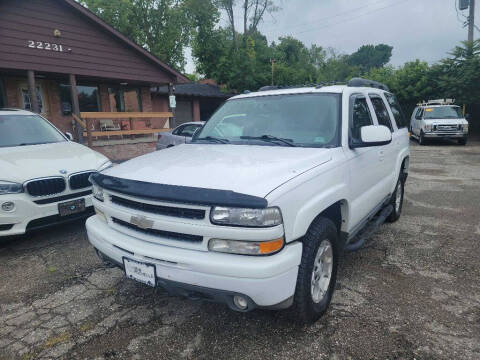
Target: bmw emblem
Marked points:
63	171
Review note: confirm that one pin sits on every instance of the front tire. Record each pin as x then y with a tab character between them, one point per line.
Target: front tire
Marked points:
317	272
397	201
421	139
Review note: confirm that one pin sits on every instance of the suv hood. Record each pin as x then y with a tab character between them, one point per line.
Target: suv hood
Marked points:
22	163
247	169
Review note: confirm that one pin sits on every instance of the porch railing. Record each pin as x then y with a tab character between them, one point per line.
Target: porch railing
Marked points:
85	120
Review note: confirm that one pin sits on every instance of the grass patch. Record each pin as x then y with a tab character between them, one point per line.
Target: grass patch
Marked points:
51	269
57	340
87	326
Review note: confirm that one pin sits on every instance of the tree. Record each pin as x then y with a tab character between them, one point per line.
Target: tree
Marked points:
368	57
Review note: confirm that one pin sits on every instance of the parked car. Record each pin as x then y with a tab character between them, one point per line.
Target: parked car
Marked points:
182	134
439	119
256	211
44	175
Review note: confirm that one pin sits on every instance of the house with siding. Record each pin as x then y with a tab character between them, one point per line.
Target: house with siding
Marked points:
60	60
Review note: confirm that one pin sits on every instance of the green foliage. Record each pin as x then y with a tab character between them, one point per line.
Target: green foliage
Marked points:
369	57
160	26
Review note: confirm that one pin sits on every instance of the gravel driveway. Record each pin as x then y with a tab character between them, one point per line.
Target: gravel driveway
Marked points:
414	292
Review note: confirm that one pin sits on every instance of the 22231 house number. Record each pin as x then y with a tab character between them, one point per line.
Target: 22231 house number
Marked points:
43	45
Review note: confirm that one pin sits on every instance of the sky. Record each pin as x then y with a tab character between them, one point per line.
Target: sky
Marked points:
417	29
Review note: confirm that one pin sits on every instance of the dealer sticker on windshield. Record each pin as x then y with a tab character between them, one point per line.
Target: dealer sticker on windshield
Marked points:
139	271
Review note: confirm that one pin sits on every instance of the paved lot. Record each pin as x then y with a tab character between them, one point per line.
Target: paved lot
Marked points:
414	293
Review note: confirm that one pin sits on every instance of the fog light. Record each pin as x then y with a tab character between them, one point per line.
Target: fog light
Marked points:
240	302
8	206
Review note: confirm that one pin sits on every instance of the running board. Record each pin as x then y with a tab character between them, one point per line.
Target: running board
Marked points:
359	240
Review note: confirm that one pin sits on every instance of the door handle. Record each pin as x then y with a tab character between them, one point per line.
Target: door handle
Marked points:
381	154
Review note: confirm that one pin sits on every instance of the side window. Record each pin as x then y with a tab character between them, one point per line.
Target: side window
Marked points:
178	130
381	111
188	130
360	116
419	114
397	112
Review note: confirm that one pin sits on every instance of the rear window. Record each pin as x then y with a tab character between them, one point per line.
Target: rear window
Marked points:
397	112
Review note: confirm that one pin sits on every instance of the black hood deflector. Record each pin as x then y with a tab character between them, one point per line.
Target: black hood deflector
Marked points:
178	194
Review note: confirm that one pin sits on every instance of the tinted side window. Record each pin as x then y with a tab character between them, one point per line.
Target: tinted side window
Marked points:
397	112
188	130
381	111
360	117
178	130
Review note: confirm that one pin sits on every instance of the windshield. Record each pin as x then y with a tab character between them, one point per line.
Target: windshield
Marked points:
443	112
19	130
309	120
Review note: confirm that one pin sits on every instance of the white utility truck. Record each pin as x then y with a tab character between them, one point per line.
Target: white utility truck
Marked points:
439	119
257	210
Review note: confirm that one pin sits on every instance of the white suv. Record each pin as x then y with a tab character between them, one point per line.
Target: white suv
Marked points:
43	175
439	119
258	209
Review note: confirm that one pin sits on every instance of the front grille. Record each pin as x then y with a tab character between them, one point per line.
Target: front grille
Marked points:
80	181
160	233
43	187
62	198
158	209
446	128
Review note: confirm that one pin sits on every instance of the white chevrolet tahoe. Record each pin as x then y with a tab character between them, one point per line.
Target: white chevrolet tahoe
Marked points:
258	209
439	119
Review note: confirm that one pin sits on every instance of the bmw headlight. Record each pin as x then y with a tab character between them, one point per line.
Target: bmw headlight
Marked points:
105	166
7	187
246	217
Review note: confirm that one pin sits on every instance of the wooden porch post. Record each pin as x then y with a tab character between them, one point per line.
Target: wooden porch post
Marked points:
196	109
75	107
32	91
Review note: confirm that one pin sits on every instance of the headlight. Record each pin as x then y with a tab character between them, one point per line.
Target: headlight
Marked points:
246	247
246	217
428	127
105	166
97	192
7	187
465	128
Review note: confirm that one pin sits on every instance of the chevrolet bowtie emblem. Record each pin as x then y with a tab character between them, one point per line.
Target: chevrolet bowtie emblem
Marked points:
142	222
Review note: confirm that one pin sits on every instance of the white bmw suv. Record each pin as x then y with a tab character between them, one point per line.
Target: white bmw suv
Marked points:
43	175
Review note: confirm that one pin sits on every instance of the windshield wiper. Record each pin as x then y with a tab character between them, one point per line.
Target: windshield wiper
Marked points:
214	139
269	138
37	143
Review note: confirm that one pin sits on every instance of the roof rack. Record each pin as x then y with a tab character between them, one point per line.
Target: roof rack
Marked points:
359	82
437	102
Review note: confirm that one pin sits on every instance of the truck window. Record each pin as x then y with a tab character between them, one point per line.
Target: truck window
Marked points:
381	111
360	117
397	112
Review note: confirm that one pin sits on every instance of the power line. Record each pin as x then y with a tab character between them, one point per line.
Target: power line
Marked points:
326	18
350	19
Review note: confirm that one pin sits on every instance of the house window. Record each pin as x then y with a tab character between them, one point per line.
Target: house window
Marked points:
27	103
125	99
88	98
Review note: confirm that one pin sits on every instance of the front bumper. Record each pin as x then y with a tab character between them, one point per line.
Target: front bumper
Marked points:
445	135
266	281
28	215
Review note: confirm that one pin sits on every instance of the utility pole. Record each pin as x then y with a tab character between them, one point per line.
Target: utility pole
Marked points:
471	21
272	61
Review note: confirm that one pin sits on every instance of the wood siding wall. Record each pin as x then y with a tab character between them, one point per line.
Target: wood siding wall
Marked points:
94	51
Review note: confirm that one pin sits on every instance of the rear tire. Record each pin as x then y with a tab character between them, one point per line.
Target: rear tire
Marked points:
317	272
397	201
462	141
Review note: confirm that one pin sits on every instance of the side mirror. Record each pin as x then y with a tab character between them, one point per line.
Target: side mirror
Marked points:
373	135
69	136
